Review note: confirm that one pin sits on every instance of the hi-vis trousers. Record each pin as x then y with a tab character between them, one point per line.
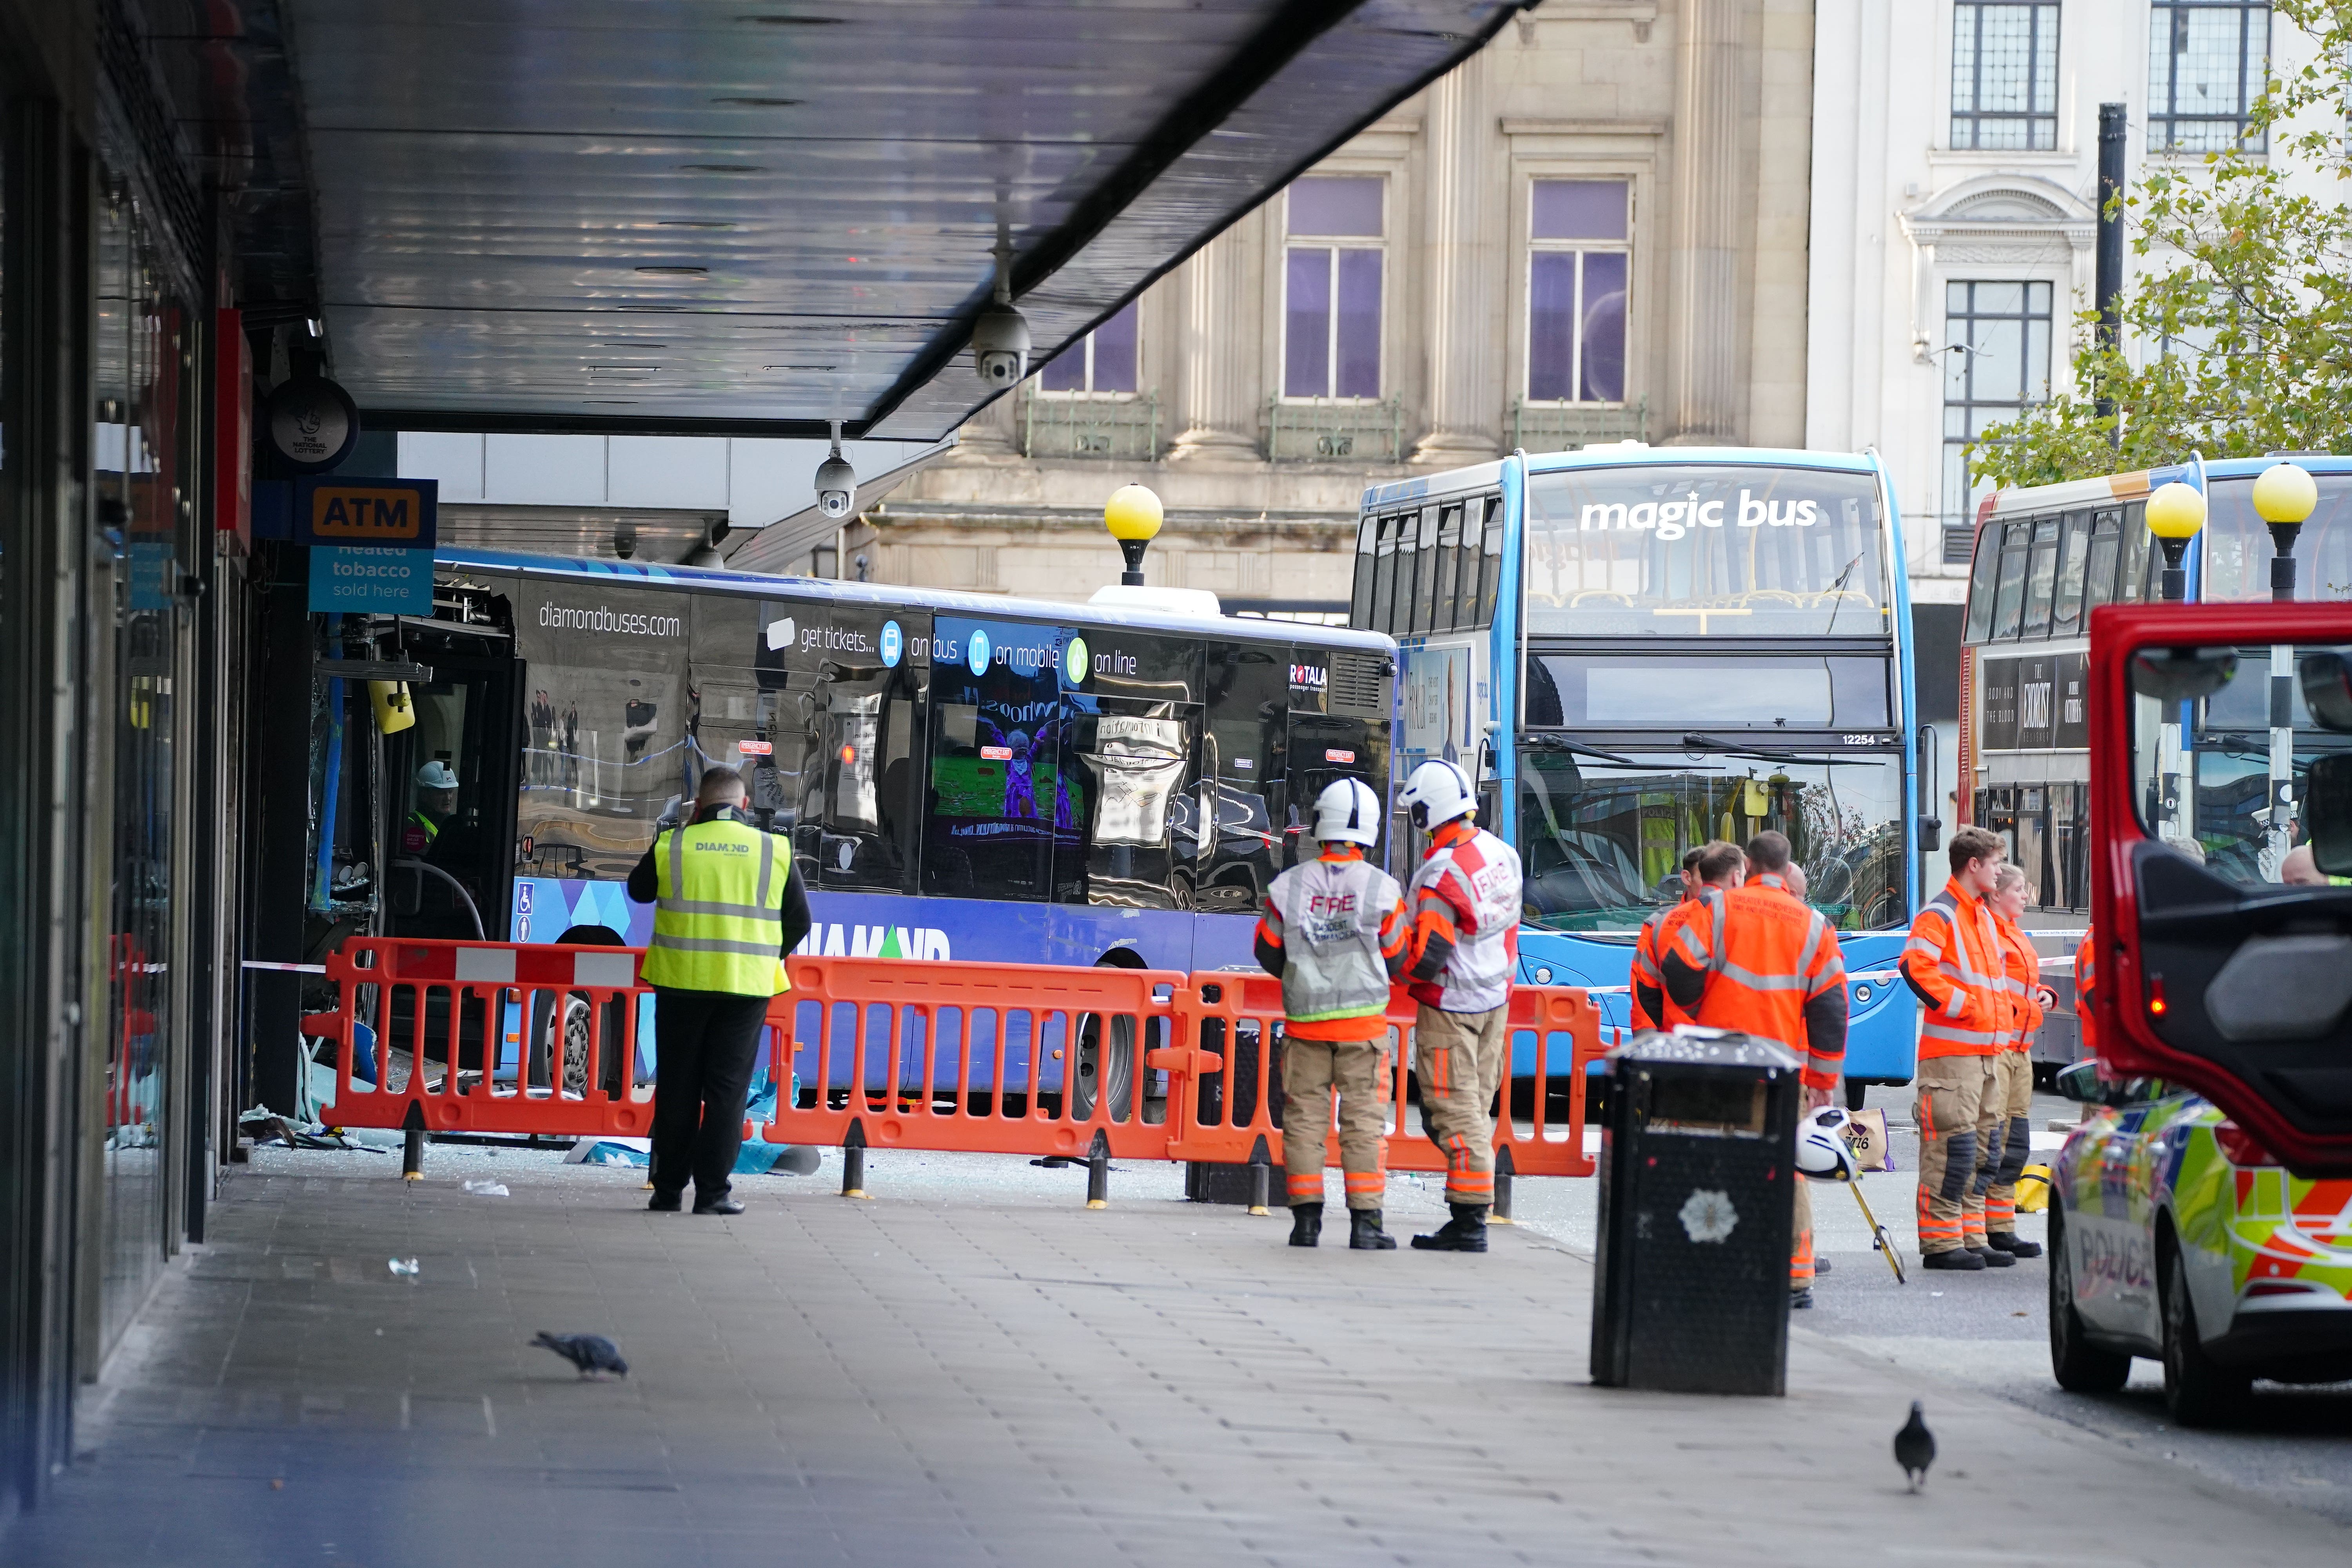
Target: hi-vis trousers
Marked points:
2001	1159
1460	1058
1952	1094
1358	1070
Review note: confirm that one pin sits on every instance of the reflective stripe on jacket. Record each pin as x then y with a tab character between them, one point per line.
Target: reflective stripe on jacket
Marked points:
2023	961
1768	954
1467	895
719	910
1327	916
1953	965
1647	947
2086	982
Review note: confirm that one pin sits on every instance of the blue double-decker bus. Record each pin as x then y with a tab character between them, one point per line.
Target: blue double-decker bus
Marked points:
1636	650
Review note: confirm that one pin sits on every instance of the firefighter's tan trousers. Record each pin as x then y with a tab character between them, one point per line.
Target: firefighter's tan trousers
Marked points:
1358	1070
1950	1111
1460	1058
2000	1158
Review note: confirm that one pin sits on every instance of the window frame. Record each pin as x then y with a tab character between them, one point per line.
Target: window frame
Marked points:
1286	242
2167	20
1085	347
1580	249
1960	331
2041	124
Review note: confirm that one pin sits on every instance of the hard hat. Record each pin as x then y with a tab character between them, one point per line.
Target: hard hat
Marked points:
1350	811
1438	792
1821	1151
435	774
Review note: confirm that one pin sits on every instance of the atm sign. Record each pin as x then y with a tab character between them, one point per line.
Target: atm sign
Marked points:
399	514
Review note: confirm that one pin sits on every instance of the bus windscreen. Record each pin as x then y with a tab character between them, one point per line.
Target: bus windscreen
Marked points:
1721	550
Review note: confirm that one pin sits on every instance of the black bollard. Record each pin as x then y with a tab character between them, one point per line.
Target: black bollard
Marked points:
1098	1173
412	1144
1503	1172
1261	1178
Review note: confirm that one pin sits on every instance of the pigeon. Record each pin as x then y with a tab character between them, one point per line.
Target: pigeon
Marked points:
1915	1448
593	1355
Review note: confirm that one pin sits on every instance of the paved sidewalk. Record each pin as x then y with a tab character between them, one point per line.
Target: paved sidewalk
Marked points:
954	1376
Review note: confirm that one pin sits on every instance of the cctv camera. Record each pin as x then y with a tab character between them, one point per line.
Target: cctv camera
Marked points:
836	486
1000	347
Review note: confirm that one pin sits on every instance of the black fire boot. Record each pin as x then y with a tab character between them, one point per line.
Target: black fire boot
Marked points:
1465	1232
1306	1224
1993	1260
1364	1232
2009	1241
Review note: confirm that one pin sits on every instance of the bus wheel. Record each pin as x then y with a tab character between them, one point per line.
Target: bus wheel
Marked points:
575	1047
1092	1078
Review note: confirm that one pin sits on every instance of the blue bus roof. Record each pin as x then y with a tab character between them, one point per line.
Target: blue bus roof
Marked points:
1484	476
981	606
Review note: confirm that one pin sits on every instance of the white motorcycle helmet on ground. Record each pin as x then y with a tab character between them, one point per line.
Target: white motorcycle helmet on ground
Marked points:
1436	794
1347	812
1823	1152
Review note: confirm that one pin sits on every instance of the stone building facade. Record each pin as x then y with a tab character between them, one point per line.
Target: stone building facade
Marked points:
1595	229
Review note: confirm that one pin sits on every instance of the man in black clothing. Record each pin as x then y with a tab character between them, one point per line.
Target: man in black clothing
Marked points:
707	1017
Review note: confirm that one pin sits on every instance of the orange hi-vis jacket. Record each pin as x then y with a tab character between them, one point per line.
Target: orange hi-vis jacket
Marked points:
1953	963
2022	961
2086	981
1647	980
1276	939
1773	970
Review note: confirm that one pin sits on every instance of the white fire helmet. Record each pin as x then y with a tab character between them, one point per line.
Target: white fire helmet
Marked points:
1347	810
1822	1151
1438	792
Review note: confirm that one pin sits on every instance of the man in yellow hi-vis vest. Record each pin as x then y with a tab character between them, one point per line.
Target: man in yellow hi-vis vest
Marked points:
728	906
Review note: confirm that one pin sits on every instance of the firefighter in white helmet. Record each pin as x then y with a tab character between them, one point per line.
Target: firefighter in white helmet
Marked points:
1333	932
1465	942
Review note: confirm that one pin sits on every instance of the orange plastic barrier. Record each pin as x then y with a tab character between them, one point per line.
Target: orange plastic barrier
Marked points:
486	1037
1057	1063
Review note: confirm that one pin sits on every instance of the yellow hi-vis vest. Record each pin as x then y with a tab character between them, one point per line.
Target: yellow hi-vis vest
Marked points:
719	910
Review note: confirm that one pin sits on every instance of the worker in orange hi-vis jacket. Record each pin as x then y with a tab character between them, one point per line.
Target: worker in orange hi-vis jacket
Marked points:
1757	959
2086	984
1651	1009
1464	903
1953	963
2005	1128
1334	933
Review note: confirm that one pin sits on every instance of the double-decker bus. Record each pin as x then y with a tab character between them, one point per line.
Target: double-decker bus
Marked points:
961	776
1636	650
2045	557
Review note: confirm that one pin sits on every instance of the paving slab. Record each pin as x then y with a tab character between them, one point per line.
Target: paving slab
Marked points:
974	1368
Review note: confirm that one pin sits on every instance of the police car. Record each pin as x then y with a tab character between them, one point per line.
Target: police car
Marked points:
2175	1235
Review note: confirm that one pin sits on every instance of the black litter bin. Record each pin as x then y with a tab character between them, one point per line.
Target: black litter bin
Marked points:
1697	1178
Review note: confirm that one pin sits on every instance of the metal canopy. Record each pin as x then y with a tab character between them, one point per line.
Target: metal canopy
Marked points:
761	216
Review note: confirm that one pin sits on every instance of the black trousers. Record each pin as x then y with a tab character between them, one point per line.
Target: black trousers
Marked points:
705	1045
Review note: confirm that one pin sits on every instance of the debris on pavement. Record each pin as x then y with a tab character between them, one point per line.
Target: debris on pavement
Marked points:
488	1189
403	1265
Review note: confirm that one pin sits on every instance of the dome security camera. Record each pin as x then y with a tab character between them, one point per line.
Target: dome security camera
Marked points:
836	483
1000	347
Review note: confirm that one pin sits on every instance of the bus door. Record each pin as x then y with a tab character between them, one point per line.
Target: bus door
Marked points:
1233	834
1338	729
2220	969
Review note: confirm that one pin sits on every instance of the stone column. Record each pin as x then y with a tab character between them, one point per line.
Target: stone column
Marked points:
1464	272
1219	354
1703	310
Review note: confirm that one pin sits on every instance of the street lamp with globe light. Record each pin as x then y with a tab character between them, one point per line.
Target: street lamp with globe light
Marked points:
1133	515
2175	512
2285	495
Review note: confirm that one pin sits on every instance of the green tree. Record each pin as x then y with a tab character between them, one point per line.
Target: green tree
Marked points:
2241	318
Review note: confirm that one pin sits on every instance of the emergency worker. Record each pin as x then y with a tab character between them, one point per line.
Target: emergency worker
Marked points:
1757	959
436	803
2005	1127
728	904
1650	1008
1465	942
1334	934
1953	963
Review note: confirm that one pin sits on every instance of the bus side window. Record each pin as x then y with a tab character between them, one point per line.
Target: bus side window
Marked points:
2138	560
1408	555
2066	603
1440	571
2008	596
1980	583
1368	556
1490	564
1384	575
1466	563
2099	566
2040	577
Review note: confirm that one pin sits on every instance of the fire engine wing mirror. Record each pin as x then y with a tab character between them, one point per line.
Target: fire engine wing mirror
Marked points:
2327	813
2328	689
2182	674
